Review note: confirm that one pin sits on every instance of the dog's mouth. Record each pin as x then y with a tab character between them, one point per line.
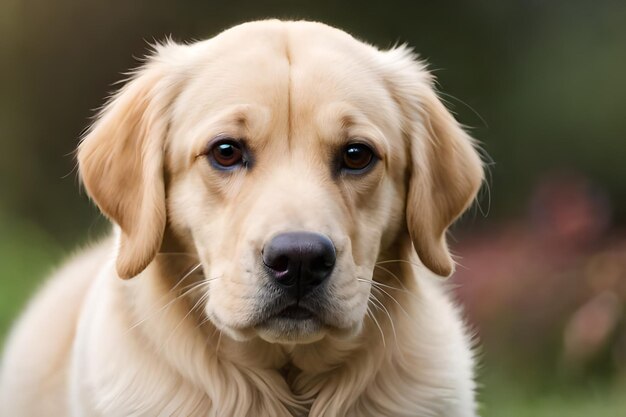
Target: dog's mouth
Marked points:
295	312
293	324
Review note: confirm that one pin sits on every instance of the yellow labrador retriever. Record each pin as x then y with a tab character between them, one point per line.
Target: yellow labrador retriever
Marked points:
281	195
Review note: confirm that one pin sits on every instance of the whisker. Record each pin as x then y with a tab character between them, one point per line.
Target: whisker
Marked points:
380	329
188	274
193	287
376	286
393	327
388	286
203	322
399	260
202	282
169	303
393	276
403	289
203	298
400	352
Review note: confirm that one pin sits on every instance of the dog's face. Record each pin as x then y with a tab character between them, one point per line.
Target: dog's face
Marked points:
288	156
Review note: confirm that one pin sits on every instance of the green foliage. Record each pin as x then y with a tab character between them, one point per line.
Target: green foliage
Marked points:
583	405
26	256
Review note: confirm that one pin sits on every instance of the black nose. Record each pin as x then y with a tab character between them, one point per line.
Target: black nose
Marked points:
299	261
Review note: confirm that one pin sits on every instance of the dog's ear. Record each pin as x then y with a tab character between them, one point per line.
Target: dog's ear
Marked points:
121	162
446	170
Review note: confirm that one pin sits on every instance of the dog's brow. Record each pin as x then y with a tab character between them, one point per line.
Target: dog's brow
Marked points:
237	115
344	121
241	119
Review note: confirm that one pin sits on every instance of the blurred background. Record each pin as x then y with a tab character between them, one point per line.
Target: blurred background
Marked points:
541	84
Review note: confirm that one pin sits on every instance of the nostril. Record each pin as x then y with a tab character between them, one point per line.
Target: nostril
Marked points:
280	264
322	263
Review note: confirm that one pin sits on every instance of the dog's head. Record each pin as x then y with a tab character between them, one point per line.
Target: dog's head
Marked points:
288	156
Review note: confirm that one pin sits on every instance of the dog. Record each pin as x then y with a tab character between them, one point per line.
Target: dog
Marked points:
280	196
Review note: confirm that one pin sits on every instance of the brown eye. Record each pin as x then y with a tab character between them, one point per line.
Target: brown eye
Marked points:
226	154
357	157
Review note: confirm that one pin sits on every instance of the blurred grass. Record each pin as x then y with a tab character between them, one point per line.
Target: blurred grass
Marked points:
27	255
504	395
607	405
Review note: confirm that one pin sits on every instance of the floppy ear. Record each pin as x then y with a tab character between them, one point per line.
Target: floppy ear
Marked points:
121	164
446	170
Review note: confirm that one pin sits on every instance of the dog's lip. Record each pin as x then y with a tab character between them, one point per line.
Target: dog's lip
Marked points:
295	312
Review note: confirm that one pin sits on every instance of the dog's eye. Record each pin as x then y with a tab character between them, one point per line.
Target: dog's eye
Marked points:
357	157
226	153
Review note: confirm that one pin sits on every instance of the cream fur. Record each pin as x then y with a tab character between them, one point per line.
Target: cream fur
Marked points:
180	337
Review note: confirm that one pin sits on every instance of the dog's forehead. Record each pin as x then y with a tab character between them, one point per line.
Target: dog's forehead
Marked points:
279	34
286	67
283	83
